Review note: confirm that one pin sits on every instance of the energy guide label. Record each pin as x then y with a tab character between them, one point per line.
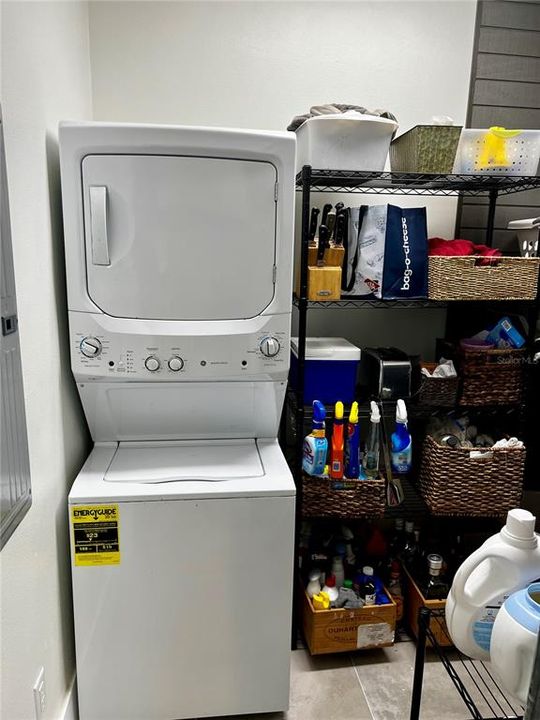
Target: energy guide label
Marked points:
95	534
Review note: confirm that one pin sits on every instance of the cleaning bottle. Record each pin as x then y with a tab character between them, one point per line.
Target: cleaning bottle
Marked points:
338	570
330	588
371	462
337	447
316	444
352	464
401	442
505	563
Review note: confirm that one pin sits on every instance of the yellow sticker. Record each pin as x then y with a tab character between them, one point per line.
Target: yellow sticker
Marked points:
95	534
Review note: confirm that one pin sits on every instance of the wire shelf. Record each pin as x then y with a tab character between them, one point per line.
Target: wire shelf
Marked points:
337	181
474	680
350	303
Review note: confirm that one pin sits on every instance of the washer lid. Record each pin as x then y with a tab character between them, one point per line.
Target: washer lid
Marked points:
155	462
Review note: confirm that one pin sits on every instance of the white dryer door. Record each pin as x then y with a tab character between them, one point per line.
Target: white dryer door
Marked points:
179	238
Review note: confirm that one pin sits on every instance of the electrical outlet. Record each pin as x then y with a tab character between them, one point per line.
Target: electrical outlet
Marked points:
39	694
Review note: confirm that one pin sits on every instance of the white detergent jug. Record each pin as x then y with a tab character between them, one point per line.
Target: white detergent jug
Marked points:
507	562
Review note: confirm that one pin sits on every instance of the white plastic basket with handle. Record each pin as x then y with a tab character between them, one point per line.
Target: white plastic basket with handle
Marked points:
497	151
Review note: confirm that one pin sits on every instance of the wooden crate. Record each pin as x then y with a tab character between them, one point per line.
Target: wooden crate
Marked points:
341	630
414	601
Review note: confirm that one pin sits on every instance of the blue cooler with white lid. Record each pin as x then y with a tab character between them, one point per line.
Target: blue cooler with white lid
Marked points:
330	372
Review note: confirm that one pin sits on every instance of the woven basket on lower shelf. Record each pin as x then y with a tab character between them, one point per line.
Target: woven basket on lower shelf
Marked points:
324	497
491	377
439	391
466	278
487	483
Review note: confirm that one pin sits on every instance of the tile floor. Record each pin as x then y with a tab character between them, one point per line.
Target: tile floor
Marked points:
368	685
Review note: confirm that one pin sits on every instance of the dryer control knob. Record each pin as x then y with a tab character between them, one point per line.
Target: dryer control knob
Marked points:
270	346
152	363
90	347
175	363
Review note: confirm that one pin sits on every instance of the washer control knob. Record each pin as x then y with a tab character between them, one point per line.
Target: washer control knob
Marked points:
270	346
175	363
90	347
152	363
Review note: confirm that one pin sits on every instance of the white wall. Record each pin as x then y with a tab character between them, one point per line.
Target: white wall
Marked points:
256	64
45	78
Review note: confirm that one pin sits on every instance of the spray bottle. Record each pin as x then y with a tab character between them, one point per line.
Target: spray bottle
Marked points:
371	461
338	444
352	464
316	444
401	442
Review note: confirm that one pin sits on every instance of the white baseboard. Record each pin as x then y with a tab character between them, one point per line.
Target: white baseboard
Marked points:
70	709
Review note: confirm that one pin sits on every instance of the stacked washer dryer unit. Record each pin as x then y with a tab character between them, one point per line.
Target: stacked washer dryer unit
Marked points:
179	255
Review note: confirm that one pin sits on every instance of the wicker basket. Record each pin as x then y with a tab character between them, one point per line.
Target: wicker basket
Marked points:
454	483
465	278
425	149
491	377
324	497
440	391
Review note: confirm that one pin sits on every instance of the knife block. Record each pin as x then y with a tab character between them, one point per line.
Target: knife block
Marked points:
334	255
324	283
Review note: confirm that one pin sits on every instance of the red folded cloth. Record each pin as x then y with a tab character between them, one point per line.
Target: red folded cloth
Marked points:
440	246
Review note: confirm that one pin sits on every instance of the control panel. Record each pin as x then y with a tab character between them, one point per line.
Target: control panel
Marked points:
99	353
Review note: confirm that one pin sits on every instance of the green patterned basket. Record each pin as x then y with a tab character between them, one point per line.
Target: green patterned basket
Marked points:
425	149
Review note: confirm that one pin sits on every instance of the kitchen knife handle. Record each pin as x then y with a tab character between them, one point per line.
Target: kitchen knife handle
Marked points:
98	225
313	223
323	244
326	209
340	228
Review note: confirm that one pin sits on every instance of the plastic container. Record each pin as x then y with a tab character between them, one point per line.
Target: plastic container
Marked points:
314	584
513	642
330	370
350	141
478	155
504	564
373	443
401	442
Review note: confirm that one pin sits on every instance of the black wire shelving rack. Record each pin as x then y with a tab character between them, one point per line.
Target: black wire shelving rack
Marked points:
311	180
474	680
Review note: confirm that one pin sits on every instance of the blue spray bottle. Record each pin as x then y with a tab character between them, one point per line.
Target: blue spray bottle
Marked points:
316	444
352	463
401	442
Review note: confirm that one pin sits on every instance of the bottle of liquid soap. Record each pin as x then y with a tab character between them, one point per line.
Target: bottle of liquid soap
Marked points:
401	442
337	447
505	563
371	462
352	464
316	444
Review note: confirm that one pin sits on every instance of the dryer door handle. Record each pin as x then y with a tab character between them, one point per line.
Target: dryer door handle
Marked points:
98	225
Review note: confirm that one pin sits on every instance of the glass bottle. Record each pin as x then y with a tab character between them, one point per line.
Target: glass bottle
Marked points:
436	587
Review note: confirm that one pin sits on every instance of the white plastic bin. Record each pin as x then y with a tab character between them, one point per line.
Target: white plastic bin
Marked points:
350	141
478	155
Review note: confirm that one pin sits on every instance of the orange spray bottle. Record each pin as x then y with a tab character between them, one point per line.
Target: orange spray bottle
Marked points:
338	443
